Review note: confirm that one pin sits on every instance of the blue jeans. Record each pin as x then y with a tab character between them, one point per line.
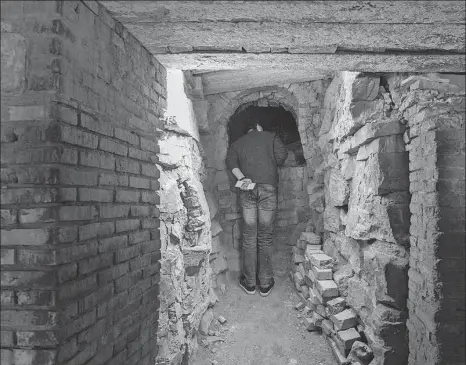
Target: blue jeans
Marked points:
258	207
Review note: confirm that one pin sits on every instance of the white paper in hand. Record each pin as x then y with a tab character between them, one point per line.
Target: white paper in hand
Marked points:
250	186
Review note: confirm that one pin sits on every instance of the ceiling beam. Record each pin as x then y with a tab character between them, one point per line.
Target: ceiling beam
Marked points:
255	37
298	12
236	80
315	63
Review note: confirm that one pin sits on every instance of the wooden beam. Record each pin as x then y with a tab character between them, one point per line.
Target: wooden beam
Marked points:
315	63
385	12
235	80
255	37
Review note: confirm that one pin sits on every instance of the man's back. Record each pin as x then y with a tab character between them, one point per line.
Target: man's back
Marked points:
257	154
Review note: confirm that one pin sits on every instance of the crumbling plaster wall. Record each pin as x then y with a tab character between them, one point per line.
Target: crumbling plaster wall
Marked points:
305	102
385	138
185	234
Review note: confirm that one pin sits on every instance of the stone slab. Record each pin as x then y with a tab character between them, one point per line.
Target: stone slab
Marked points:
327	288
344	320
322	261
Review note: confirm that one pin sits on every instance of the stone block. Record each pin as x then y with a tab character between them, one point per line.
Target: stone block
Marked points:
311	325
327	288
332	221
364	112
205	322
327	327
215	228
369	132
311	249
297	258
322	261
365	88
344	320
297	250
361	352
385	269
313	298
336	305
388	144
341	277
371	216
298	278
317	318
305	291
310	238
322	274
338	188
340	357
345	340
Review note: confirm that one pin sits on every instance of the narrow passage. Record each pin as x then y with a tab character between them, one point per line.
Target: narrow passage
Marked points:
261	331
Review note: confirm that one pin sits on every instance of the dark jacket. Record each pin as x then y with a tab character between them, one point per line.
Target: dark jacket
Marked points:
257	155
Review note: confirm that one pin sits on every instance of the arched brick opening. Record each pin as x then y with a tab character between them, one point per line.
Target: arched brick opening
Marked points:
294	211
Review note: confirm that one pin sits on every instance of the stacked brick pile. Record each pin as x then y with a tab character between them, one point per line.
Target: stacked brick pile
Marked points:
324	309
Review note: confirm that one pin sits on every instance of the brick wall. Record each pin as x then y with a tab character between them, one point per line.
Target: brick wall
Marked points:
434	108
81	100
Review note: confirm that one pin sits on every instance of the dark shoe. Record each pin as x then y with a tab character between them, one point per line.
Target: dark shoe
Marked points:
266	291
247	289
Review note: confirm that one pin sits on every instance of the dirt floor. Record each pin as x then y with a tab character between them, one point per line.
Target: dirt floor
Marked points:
261	331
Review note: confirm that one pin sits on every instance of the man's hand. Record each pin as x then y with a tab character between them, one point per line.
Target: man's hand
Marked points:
245	183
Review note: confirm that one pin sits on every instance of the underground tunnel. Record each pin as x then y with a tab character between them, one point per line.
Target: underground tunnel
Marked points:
120	226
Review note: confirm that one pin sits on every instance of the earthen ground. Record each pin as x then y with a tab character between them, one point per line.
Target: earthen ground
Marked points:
263	331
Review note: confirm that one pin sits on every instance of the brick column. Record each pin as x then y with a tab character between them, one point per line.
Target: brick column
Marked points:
435	114
81	102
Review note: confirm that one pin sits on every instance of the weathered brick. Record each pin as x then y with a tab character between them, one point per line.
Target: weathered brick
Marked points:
26	237
113	243
127	136
95	125
95	195
150	145
76	252
113	179
36	339
98	159
34	257
77	288
103	294
126	165
95	263
127	225
7	256
114	211
127	196
6	338
34	319
78	137
140	211
139	183
108	145
34	297
78	324
6	297
67	272
96	230
77	177
150	170
26	113
77	213
150	197
127	253
28	279
36	356
113	273
139	155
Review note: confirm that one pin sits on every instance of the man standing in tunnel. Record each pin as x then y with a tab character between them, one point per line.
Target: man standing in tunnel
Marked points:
255	158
